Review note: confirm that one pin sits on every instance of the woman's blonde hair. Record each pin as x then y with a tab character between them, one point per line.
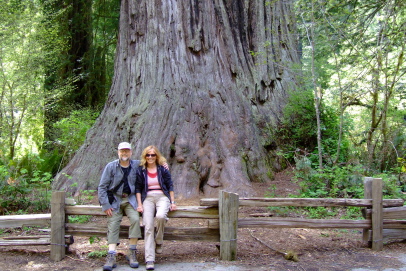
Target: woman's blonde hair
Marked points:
160	160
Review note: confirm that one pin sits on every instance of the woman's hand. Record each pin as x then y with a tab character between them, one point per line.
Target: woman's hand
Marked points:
172	207
140	209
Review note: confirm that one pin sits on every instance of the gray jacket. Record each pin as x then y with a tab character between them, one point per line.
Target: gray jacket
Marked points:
112	176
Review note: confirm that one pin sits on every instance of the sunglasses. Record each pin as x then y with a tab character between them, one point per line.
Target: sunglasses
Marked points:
150	155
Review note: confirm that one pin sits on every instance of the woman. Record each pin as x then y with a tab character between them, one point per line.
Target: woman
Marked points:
155	197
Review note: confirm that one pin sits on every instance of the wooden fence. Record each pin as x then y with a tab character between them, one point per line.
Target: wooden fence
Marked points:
384	219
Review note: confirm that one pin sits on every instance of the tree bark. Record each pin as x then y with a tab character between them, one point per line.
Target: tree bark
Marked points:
203	81
316	87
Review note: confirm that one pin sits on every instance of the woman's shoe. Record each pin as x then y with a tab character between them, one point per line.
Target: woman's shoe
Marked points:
150	266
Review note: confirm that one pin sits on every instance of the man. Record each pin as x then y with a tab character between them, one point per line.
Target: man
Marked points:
117	197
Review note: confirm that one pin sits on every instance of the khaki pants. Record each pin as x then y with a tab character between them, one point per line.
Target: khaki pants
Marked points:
114	222
155	205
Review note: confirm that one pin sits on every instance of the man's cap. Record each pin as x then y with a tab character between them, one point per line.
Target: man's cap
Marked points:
124	145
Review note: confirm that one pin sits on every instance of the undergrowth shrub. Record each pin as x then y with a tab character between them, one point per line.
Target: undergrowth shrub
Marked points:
25	182
25	196
79	218
297	131
71	131
342	182
97	254
23	187
335	181
346	181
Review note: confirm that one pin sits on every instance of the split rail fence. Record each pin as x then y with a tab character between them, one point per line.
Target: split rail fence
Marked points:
384	219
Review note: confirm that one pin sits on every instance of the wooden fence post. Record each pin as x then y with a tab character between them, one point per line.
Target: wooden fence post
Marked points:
377	215
58	225
228	216
367	195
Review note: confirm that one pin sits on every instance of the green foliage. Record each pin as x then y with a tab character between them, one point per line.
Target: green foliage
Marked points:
297	127
271	193
97	254
352	212
79	218
20	74
85	196
392	186
24	188
337	182
24	196
281	211
82	73
297	132
319	212
50	161
357	52
35	56
344	181
402	162
71	131
349	212
34	167
93	239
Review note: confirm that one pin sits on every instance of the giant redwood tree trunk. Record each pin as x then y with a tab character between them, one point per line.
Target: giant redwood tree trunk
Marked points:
202	80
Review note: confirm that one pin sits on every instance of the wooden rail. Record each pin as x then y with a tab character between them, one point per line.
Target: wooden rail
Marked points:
305	202
181	212
388	213
171	233
384	219
15	221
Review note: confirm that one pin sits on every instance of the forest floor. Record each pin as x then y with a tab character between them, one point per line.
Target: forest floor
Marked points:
316	249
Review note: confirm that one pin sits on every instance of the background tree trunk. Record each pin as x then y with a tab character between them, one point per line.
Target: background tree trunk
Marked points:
203	81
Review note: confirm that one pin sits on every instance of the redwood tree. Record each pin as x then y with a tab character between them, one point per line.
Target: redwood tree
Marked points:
203	81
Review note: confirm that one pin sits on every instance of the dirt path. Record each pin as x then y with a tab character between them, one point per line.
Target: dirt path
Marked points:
182	256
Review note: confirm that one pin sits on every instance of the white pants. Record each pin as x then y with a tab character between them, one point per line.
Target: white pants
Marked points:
155	205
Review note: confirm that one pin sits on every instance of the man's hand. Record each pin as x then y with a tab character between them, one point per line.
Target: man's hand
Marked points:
140	209
109	212
166	166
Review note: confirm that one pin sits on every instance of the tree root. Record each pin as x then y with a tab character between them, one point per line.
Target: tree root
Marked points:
288	255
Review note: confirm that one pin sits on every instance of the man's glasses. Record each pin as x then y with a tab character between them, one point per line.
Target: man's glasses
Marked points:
150	155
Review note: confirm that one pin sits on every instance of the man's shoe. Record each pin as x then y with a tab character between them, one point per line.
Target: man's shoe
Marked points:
132	257
158	249
150	266
110	262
